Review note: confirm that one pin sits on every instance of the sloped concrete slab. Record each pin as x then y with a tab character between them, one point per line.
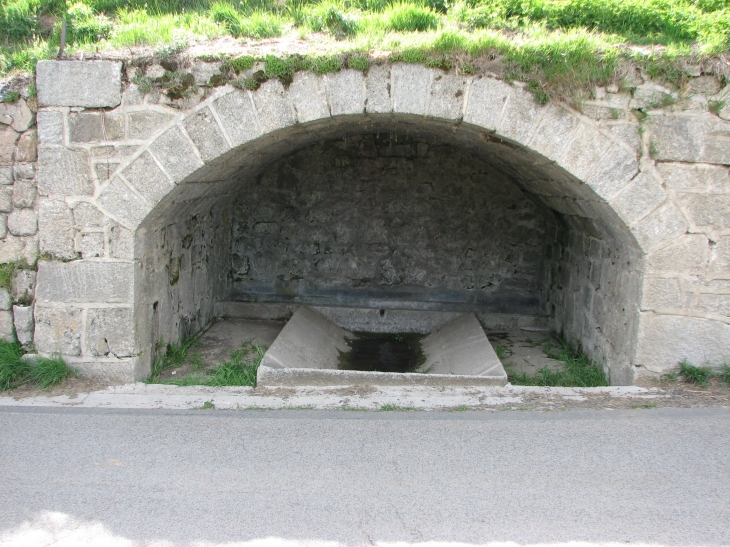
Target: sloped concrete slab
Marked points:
308	341
306	353
461	347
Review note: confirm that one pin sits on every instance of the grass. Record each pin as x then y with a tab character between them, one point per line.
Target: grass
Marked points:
577	370
239	370
701	376
559	47
15	371
695	375
392	407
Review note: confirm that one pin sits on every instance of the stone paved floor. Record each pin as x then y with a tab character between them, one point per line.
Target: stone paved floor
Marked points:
522	350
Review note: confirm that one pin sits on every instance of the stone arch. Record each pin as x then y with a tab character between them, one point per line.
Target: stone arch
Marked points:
595	177
572	166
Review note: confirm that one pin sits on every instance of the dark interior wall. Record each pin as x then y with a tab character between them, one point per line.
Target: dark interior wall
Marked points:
383	220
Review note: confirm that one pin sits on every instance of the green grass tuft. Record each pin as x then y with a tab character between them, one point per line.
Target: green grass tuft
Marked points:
392	407
695	375
13	370
239	370
576	371
407	17
6	275
358	62
173	357
13	96
47	372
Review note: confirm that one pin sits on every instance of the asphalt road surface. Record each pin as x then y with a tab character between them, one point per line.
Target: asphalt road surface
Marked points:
291	478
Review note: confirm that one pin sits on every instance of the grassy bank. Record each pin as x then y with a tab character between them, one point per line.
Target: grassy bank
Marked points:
557	43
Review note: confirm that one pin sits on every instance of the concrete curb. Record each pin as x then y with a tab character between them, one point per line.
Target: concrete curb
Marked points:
156	396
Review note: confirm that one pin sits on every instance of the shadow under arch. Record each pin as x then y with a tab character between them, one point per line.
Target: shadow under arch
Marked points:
593	265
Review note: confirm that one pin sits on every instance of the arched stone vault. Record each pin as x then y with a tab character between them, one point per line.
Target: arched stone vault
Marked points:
611	203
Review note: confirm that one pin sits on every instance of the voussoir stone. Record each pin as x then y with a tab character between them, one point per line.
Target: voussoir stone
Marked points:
377	90
238	117
119	201
410	84
273	106
203	129
614	172
147	177
309	96
346	92
640	197
85	281
487	97
175	154
662	226
584	153
91	84
448	92
520	116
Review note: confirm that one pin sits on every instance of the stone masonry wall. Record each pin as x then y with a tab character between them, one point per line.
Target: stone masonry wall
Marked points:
593	285
18	219
184	264
631	182
387	219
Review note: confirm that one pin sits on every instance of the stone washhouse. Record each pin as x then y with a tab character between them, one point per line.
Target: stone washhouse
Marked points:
139	219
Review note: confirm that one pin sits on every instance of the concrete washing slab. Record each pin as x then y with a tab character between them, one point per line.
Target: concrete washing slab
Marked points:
306	353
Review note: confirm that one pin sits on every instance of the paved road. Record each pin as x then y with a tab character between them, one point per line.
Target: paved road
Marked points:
78	476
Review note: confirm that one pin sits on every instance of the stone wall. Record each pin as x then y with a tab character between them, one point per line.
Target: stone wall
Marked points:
388	220
18	219
593	285
639	244
183	269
